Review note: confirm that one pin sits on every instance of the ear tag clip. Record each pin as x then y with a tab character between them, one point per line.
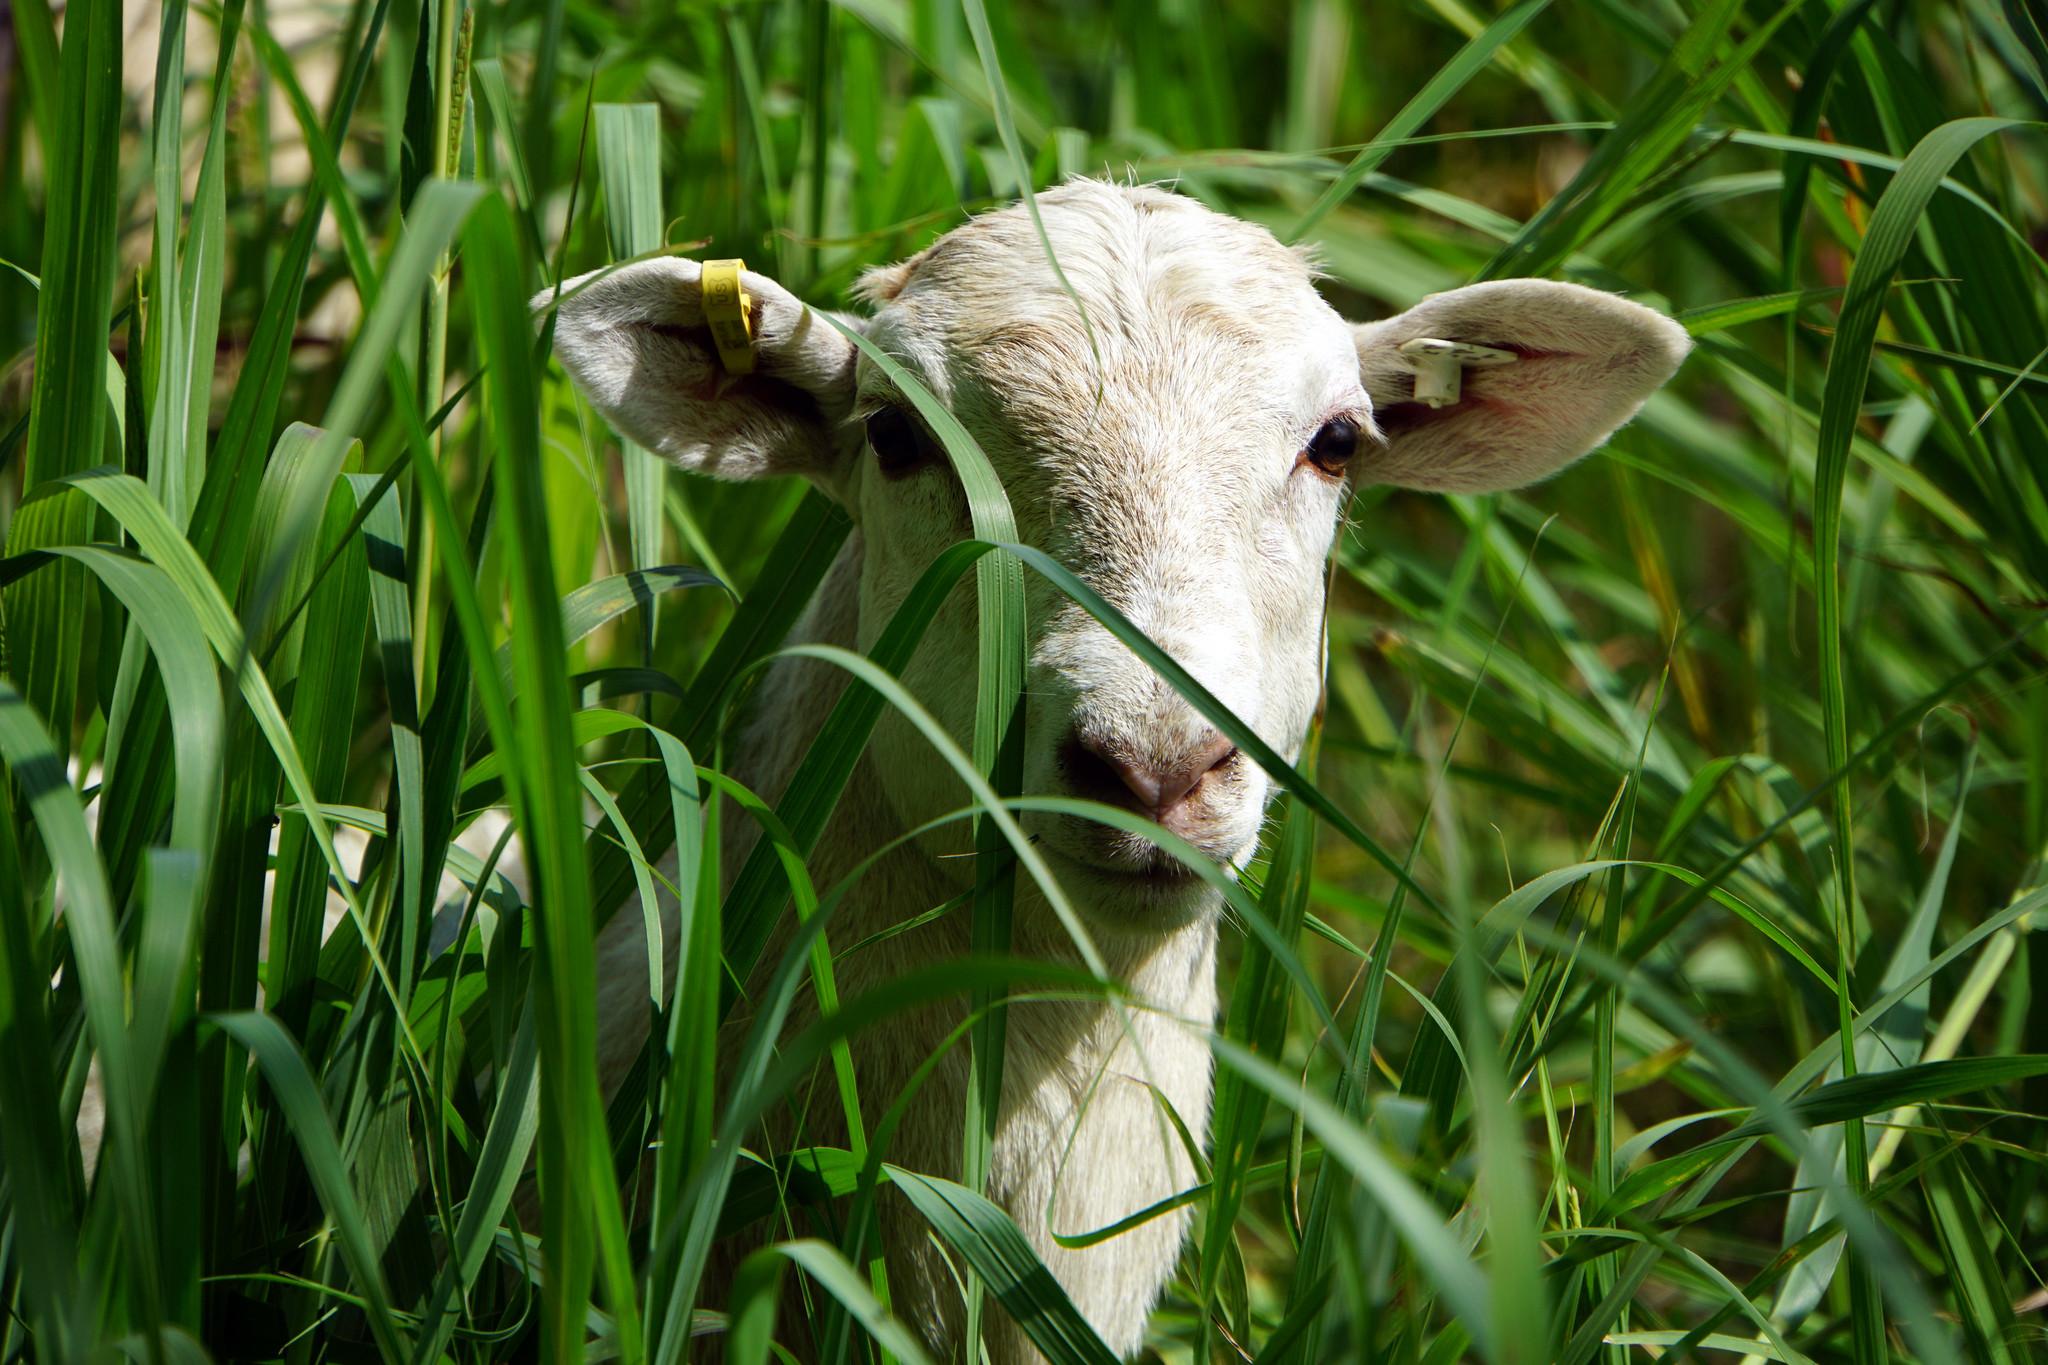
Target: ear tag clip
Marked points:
729	312
1439	366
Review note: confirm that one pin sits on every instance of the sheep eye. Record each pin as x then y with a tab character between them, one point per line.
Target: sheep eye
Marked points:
898	442
1331	448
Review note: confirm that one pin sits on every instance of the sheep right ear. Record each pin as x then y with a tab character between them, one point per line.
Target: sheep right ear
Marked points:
635	341
1580	363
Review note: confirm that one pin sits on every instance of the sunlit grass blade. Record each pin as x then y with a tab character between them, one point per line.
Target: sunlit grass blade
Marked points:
984	1235
1891	231
162	994
999	736
1257	1020
323	706
796	563
1452	1273
1420	108
129	503
582	1220
596	604
431	226
818	781
628	159
976	13
754	1301
220	519
1659	118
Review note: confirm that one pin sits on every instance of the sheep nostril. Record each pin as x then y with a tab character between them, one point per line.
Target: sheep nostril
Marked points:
1185	778
1218	755
1104	771
1092	773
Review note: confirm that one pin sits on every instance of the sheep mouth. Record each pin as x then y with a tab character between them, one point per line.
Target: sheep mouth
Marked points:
1164	873
1152	870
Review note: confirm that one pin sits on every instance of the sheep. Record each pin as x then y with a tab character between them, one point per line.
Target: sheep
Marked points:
1188	451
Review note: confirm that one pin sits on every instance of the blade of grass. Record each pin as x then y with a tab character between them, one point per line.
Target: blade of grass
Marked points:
44	1181
1658	120
68	405
289	1079
1891	231
984	1235
1420	108
582	1220
755	1285
628	159
89	918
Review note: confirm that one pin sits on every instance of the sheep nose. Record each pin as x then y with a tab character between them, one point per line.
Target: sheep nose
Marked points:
1102	768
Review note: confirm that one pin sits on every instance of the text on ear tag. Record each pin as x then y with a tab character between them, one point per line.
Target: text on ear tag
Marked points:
1439	366
729	313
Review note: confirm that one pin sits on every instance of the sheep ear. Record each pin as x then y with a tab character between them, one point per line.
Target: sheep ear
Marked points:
635	342
1584	364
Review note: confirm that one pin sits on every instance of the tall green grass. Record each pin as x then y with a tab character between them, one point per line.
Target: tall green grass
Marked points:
1641	965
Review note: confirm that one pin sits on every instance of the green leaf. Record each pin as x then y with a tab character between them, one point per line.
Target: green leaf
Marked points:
597	604
581	1216
1420	109
752	1312
68	409
515	1119
129	503
984	1235
1892	228
1462	1284
1659	118
1840	1101
1256	1019
164	957
1965	1225
38	770
998	710
42	1157
629	162
431	225
293	1085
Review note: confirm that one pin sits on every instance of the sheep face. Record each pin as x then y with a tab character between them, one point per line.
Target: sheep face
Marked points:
1175	414
1180	439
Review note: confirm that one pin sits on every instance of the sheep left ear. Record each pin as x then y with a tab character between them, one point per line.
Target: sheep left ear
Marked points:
1584	362
637	343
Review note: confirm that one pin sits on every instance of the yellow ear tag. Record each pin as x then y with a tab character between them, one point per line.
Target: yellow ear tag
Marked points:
729	312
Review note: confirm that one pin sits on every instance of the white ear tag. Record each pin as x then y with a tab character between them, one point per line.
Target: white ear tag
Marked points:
1439	366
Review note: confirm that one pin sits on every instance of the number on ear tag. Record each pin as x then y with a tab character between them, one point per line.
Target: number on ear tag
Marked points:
729	312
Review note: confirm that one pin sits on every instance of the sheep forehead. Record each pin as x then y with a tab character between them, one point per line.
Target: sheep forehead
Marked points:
1198	325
